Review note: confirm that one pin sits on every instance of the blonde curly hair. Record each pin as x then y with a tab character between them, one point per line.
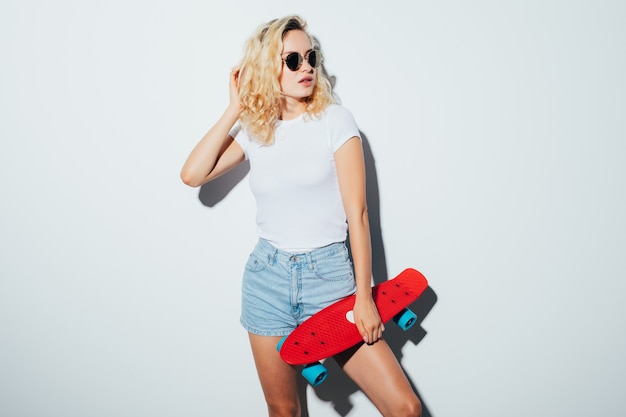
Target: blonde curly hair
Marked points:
259	88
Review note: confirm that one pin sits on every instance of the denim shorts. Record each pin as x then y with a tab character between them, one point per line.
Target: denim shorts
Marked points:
280	289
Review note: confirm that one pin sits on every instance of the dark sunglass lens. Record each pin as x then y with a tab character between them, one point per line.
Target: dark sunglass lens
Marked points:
293	61
313	58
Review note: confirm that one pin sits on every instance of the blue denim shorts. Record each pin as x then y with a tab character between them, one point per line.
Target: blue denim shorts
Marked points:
280	289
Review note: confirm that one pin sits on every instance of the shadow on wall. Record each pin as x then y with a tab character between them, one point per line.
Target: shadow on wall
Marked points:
215	191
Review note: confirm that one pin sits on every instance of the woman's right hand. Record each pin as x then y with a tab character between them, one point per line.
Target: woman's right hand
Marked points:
234	88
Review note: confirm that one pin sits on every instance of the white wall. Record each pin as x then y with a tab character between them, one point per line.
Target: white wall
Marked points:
497	130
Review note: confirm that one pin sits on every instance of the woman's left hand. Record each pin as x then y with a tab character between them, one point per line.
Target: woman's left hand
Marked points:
367	319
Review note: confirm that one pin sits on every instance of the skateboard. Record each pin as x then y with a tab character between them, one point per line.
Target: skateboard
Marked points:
332	330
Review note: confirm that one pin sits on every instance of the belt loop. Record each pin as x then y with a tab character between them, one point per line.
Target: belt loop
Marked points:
309	260
273	259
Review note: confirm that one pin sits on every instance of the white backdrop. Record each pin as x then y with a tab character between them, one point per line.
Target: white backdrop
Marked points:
496	135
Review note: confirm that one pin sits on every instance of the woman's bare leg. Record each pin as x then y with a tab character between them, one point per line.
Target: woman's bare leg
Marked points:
278	379
375	369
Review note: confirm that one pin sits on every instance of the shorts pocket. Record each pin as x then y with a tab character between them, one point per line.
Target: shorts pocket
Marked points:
335	268
254	264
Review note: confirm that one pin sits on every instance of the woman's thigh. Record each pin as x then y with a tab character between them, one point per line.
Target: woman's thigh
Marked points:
279	380
375	369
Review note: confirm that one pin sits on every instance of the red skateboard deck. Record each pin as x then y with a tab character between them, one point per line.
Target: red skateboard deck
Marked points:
332	330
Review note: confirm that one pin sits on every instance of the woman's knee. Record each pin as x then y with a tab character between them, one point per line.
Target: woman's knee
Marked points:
407	407
283	408
411	407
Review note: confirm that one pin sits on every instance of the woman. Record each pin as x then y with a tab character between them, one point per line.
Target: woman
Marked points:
307	174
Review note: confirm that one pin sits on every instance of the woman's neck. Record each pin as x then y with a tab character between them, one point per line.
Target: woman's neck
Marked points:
290	108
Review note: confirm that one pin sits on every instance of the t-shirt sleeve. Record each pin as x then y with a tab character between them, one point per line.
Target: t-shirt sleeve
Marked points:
240	137
341	127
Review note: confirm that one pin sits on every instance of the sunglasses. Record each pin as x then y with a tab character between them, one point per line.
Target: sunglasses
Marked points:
294	60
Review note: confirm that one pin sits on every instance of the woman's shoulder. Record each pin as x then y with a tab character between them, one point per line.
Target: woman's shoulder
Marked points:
337	109
337	113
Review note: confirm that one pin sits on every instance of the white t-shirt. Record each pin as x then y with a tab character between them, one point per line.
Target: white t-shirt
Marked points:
294	180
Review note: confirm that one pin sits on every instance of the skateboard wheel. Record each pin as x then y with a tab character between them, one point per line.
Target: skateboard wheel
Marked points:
405	319
315	373
280	343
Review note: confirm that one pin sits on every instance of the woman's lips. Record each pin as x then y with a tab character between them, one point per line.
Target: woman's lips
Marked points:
306	81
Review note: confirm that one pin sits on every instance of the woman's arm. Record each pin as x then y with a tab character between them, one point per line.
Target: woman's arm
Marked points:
216	152
351	175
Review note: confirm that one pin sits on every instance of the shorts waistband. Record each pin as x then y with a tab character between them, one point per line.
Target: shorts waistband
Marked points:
273	254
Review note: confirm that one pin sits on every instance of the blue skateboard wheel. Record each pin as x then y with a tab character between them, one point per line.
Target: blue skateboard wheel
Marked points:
405	319
280	343
315	373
